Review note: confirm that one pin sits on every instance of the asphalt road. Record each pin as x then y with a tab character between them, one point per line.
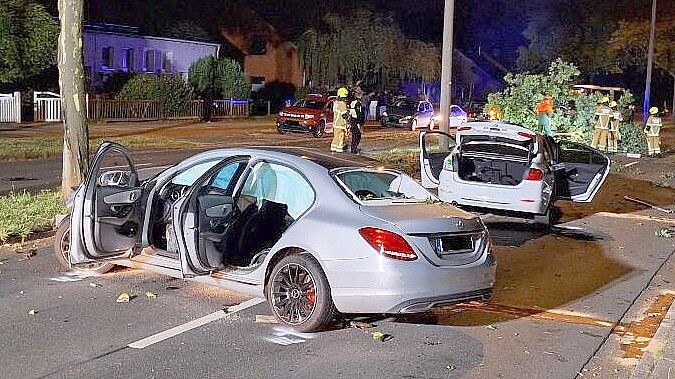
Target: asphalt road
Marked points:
561	301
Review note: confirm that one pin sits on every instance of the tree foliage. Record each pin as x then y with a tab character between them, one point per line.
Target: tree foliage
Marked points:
574	112
629	44
223	78
170	90
347	48
28	38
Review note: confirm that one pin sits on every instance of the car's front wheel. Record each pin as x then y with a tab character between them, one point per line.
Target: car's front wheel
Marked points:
299	294
61	246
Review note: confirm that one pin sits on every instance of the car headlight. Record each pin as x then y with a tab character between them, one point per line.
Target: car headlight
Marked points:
308	116
385	114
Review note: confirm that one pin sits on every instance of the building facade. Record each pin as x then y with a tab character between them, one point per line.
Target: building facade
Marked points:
110	49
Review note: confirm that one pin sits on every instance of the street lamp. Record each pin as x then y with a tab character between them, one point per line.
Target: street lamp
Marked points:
650	64
446	72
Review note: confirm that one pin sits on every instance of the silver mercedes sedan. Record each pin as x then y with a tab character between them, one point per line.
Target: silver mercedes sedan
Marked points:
313	233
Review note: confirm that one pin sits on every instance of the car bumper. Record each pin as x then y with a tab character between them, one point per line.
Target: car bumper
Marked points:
527	197
396	123
382	285
296	126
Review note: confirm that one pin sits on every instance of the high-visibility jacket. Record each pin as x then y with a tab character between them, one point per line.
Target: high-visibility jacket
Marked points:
604	115
616	120
653	127
340	114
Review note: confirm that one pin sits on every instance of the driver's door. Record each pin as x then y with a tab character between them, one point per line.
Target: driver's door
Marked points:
202	218
107	208
432	157
580	171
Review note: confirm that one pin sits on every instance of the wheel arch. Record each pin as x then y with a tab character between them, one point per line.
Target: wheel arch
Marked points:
281	254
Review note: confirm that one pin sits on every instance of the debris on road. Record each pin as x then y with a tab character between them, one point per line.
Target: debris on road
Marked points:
381	337
27	255
123	298
650	205
150	295
95	285
33	312
631	164
665	233
361	325
72	276
491	327
450	367
265	319
4	261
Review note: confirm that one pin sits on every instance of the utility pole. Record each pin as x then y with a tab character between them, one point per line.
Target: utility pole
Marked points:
71	81
446	72
650	64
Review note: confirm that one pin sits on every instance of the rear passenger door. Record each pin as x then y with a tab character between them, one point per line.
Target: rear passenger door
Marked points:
580	171
432	157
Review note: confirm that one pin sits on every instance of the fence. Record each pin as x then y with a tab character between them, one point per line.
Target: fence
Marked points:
10	107
47	107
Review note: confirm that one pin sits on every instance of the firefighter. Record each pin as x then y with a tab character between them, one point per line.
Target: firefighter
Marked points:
652	131
544	113
357	118
613	135
340	121
601	128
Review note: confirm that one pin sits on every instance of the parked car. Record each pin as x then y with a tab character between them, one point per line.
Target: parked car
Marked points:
311	232
313	114
476	111
410	114
502	168
457	116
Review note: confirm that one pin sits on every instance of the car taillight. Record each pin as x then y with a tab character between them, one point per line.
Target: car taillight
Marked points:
526	135
535	175
389	244
464	129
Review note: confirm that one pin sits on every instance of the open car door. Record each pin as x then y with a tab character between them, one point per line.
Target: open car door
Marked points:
432	157
580	172
203	217
107	208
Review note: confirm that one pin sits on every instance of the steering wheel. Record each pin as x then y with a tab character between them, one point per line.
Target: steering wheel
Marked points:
365	194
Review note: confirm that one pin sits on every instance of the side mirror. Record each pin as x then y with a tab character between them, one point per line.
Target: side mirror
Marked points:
115	178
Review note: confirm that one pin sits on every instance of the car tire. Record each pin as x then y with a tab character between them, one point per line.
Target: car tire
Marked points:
61	245
285	293
548	219
320	129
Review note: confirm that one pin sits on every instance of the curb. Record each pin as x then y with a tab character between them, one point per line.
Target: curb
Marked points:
660	353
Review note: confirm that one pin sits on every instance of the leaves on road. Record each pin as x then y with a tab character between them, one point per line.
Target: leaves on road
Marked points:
381	337
33	312
665	233
150	295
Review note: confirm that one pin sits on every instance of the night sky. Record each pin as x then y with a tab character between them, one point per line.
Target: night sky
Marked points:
494	26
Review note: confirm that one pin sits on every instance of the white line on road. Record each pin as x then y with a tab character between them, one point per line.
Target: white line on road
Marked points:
153	339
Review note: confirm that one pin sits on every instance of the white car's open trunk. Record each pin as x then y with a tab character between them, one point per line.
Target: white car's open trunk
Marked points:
493	163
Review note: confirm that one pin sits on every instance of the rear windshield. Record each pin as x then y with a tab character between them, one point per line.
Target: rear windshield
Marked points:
496	149
311	104
371	185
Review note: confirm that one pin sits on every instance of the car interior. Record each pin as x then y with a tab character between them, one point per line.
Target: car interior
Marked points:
493	163
236	229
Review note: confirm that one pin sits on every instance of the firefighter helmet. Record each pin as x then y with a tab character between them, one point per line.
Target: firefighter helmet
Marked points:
653	110
342	92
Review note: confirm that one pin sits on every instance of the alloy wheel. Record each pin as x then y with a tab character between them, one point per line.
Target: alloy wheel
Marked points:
293	294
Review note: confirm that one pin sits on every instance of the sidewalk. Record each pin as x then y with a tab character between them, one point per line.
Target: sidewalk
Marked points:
659	358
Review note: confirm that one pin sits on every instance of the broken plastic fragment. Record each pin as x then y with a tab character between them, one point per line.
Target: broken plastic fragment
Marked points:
150	295
33	312
123	298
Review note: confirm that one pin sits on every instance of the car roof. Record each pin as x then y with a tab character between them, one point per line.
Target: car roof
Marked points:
322	158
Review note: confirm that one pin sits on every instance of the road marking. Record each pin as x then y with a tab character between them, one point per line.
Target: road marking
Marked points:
153	339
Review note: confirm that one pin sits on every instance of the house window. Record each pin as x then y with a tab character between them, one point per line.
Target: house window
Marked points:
258	45
128	60
149	61
107	57
258	80
167	61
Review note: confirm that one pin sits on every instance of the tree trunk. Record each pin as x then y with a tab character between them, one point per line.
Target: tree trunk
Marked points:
672	105
71	81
